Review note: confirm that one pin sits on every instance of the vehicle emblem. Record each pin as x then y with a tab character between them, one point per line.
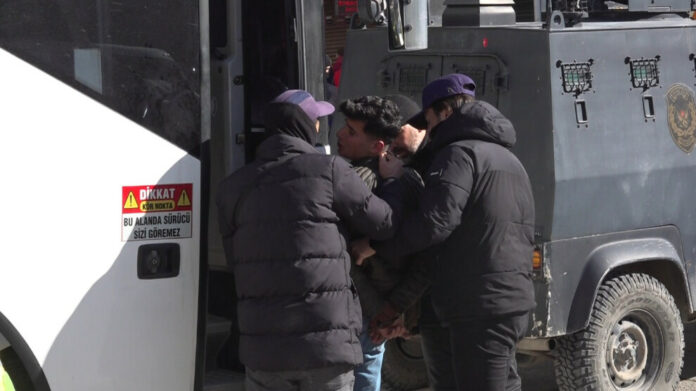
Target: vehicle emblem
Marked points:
681	116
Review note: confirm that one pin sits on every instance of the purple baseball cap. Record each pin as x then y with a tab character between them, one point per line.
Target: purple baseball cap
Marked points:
446	86
306	101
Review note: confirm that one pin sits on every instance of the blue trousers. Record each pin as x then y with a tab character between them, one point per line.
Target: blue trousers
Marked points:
368	375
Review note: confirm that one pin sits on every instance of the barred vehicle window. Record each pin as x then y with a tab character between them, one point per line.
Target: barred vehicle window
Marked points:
139	57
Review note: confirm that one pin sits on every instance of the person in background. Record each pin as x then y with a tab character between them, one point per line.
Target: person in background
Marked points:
330	90
337	68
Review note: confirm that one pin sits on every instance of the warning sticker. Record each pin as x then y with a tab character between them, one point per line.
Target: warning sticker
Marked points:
156	212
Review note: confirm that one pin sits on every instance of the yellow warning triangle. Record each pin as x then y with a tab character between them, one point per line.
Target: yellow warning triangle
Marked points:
184	199
131	203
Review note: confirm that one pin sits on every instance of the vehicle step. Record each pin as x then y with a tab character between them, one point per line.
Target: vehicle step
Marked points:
222	380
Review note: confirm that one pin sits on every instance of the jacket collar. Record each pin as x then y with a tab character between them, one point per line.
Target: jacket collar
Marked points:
369	162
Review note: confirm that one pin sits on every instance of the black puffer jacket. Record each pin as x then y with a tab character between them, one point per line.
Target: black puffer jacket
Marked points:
284	220
478	209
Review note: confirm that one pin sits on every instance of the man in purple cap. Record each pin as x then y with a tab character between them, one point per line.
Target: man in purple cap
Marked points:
410	138
477	211
284	220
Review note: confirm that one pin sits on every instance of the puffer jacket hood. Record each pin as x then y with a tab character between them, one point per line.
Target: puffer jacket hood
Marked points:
289	119
282	145
475	121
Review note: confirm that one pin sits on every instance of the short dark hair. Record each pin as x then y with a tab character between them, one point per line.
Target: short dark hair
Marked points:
381	116
454	102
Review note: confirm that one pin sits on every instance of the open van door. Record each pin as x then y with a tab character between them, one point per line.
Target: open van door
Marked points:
258	49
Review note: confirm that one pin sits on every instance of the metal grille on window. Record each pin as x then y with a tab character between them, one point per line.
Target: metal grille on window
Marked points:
412	79
644	72
581	5
577	76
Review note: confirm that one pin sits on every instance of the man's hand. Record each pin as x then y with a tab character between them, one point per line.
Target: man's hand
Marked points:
390	166
386	315
387	324
360	250
381	334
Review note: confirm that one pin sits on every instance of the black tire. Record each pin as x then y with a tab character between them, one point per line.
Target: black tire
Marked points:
634	342
403	367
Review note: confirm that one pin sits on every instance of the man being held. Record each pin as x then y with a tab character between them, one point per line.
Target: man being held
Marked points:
477	208
371	124
284	219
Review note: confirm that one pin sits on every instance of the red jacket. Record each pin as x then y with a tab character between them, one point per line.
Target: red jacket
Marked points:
337	71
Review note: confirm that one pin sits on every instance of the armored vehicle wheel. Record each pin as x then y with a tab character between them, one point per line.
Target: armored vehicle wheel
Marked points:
635	340
403	368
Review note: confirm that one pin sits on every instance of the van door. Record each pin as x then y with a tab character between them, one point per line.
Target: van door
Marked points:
283	49
101	116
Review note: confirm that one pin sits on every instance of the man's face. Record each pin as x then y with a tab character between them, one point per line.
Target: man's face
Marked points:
407	142
433	118
354	144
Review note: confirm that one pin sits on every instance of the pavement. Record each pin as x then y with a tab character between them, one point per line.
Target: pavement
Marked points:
540	377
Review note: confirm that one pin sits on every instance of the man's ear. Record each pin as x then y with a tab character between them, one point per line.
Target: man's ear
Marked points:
378	147
446	113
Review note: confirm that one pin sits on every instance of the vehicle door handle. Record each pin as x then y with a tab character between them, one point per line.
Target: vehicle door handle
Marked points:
158	261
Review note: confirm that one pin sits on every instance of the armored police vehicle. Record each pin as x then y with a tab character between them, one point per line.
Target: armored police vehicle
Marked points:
601	94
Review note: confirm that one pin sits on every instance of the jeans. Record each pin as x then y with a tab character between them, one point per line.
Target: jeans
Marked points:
477	355
368	375
334	378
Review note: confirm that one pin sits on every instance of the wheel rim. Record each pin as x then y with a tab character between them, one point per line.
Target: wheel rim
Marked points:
634	351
